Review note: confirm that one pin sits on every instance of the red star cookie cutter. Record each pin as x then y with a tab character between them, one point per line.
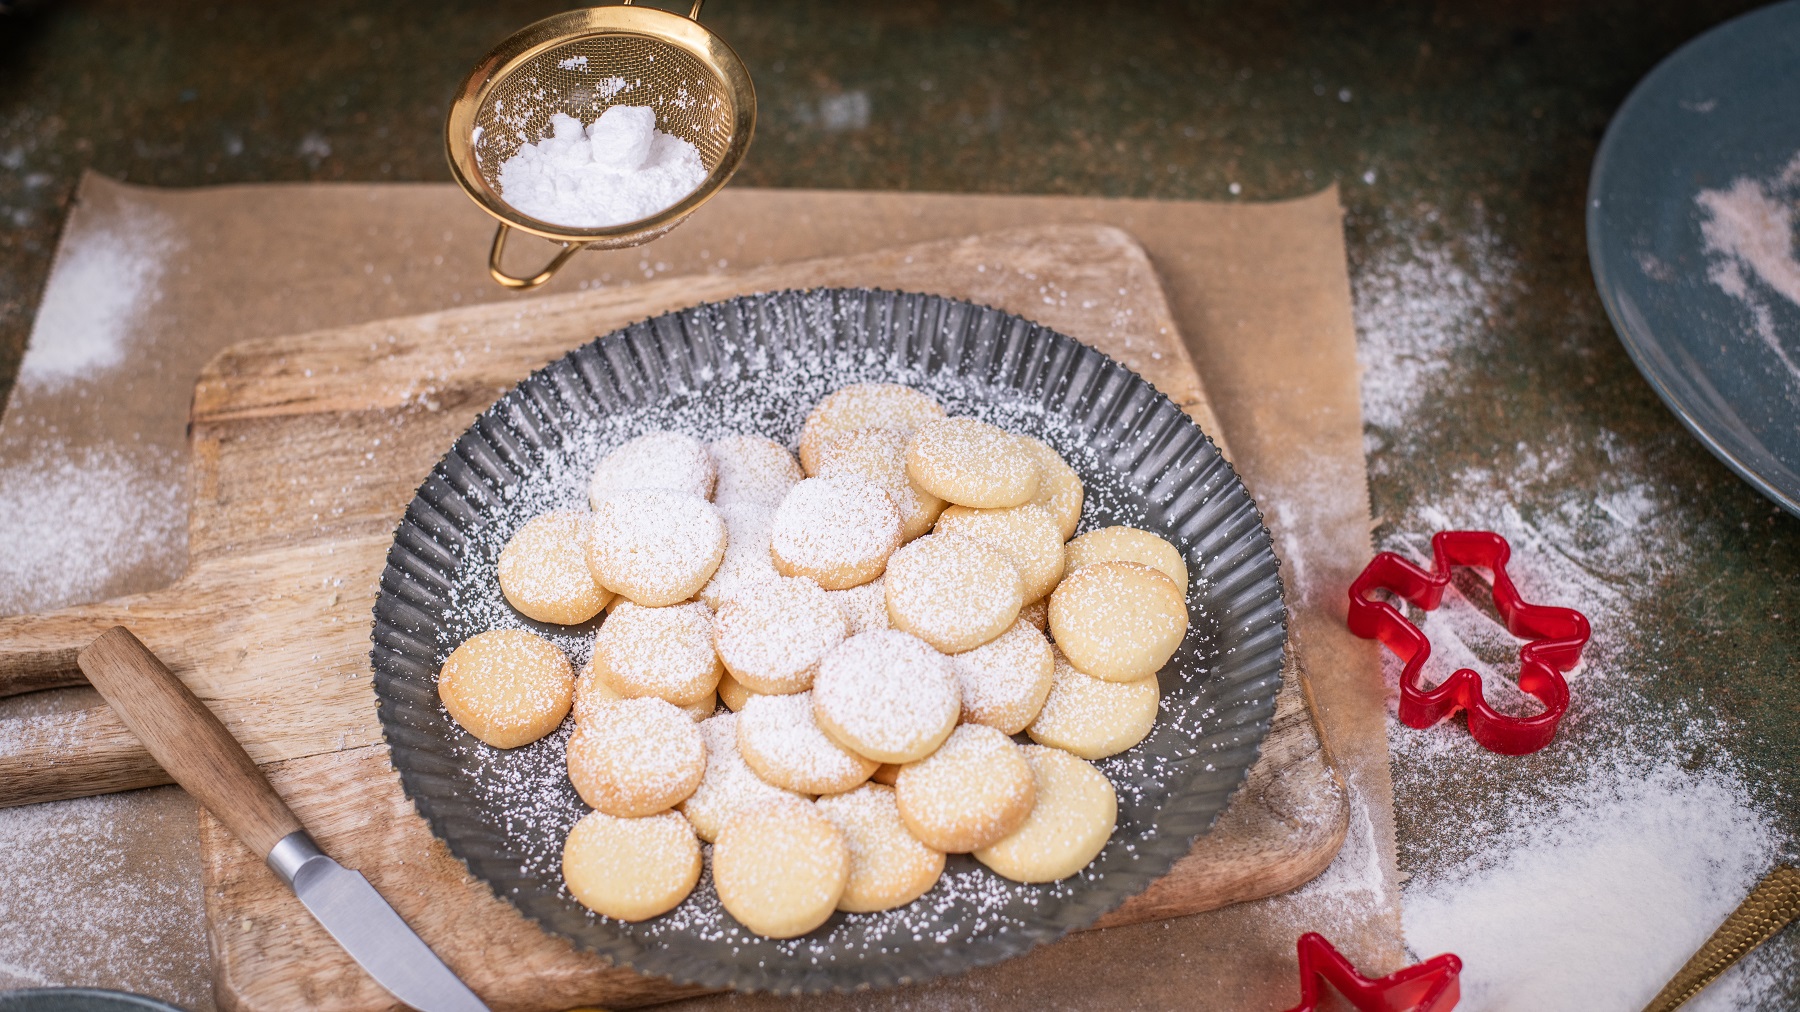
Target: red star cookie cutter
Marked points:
1556	637
1431	986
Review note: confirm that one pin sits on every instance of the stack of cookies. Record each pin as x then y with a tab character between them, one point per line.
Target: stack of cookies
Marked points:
879	617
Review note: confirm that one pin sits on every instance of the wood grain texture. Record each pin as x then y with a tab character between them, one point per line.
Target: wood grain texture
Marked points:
307	449
186	739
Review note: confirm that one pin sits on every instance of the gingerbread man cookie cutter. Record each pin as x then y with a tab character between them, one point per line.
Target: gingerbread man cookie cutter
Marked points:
1555	638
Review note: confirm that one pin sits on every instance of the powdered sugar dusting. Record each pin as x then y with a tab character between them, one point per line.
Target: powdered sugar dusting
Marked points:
887	695
780	740
102	285
1749	232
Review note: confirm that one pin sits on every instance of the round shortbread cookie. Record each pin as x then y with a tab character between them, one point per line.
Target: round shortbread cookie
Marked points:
1128	544
591	690
886	695
864	607
1074	816
507	687
971	463
1094	718
746	561
889	867
544	572
780	740
773	635
1059	490
838	531
860	406
673	461
1037	614
753	469
953	592
654	546
886	773
781	868
878	456
730	785
732	693
1120	621
1026	535
1004	682
632	757
661	652
631	869
973	791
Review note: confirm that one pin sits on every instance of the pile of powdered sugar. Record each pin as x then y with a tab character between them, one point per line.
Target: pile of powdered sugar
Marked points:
615	170
1749	231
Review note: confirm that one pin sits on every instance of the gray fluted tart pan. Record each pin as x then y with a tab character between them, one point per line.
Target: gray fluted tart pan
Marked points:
757	364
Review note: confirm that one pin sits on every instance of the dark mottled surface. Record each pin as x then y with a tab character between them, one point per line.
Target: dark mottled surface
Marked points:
1460	133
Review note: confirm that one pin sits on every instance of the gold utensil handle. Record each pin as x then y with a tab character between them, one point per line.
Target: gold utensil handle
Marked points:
1771	906
186	738
513	281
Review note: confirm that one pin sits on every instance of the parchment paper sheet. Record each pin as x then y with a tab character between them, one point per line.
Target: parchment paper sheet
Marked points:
1260	292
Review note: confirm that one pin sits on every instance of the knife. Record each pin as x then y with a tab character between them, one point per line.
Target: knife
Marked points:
191	744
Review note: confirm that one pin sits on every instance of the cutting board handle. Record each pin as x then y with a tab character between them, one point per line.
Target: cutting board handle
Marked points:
187	738
38	651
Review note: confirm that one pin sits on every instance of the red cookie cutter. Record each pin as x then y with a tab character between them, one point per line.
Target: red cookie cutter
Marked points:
1556	637
1431	986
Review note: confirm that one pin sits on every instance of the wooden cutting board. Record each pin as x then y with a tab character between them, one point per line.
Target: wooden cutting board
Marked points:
308	448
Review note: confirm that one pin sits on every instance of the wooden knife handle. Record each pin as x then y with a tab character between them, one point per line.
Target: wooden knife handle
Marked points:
186	738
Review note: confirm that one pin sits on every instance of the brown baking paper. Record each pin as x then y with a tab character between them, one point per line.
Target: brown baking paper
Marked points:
1259	292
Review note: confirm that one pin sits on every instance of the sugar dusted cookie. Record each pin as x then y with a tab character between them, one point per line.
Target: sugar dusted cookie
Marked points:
838	531
1094	718
1074	816
889	867
1026	535
746	560
544	572
591	691
1059	490
732	693
781	868
1128	544
1119	621
971	463
631	869
886	696
653	546
973	791
780	740
753	469
507	687
878	456
864	607
773	635
1005	681
729	785
666	460
860	406
1037	615
633	757
661	652
954	593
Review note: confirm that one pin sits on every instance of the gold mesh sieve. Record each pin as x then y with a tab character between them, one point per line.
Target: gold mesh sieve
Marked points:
580	63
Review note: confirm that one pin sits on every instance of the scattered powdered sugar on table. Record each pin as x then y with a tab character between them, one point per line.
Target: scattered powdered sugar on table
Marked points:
102	283
77	519
615	170
1750	234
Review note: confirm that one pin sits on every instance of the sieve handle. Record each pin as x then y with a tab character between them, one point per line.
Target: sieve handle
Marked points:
693	15
499	273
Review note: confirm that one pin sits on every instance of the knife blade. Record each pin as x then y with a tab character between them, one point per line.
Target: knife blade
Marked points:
202	756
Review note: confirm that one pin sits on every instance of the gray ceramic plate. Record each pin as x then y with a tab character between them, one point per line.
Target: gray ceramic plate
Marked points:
79	999
758	363
1711	320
